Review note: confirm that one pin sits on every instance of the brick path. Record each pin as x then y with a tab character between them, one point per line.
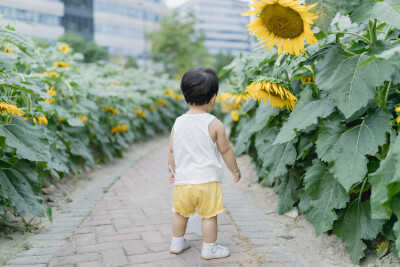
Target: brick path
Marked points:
131	226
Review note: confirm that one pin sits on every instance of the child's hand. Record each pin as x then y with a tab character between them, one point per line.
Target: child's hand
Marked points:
171	177
237	175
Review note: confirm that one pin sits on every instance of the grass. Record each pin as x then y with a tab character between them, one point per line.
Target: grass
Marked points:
105	190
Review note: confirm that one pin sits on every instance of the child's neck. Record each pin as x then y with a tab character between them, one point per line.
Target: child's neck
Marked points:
199	109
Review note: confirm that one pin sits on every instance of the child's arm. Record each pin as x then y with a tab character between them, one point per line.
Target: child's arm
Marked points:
226	150
171	161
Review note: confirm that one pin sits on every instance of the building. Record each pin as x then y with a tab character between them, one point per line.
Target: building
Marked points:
41	19
121	25
78	18
221	21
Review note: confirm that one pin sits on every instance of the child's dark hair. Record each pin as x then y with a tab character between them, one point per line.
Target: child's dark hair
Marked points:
199	85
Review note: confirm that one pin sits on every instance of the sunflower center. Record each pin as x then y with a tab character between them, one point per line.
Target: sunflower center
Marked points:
283	21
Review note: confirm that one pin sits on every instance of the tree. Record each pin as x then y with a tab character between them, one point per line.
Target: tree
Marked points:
90	50
178	46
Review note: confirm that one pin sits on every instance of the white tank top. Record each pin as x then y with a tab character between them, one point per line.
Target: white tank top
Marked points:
197	159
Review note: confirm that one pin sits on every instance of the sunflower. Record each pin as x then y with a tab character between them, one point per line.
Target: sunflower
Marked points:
10	108
161	102
51	73
228	107
108	109
177	96
61	119
140	113
119	129
235	98
307	79
52	92
235	115
83	118
285	22
397	109
277	94
151	109
61	64
398	120
41	119
8	50
168	92
64	48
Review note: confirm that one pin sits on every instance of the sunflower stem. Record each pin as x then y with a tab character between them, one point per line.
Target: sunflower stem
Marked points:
372	31
386	34
355	34
362	188
279	59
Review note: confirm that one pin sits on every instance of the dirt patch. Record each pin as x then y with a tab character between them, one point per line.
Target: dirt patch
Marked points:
298	234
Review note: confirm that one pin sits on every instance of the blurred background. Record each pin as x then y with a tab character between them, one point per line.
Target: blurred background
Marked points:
164	35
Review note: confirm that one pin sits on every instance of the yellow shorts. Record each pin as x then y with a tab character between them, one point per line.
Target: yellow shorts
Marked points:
206	197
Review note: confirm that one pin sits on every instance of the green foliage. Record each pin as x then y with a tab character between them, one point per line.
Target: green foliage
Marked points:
335	155
67	115
327	194
91	51
178	46
354	224
222	59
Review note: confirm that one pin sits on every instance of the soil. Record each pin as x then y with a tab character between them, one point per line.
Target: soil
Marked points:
298	234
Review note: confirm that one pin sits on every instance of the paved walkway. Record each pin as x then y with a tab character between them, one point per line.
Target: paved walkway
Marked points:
131	226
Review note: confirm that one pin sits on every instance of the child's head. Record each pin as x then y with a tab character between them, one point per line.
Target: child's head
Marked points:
199	86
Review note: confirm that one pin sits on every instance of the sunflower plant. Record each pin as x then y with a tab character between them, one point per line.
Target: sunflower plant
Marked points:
332	150
58	113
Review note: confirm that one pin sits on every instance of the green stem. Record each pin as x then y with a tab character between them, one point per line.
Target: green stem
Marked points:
386	34
372	31
355	34
362	188
387	92
279	59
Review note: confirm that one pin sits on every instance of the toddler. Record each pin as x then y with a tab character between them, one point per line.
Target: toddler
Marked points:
197	139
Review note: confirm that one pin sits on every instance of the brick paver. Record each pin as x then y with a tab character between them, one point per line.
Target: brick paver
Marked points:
131	226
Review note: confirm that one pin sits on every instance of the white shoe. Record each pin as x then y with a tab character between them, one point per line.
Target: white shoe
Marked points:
215	252
177	248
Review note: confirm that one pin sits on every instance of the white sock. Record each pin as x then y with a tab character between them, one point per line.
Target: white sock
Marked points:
208	245
178	240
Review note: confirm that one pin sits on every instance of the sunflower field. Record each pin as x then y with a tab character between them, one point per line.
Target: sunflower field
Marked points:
58	114
321	121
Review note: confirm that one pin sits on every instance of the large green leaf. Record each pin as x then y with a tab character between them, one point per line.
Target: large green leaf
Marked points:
326	11
243	141
349	82
386	11
264	113
396	227
17	184
7	61
287	191
354	224
346	148
275	158
306	113
328	195
27	139
385	182
25	44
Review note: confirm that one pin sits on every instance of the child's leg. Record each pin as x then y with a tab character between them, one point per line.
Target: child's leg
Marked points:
210	229
179	223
